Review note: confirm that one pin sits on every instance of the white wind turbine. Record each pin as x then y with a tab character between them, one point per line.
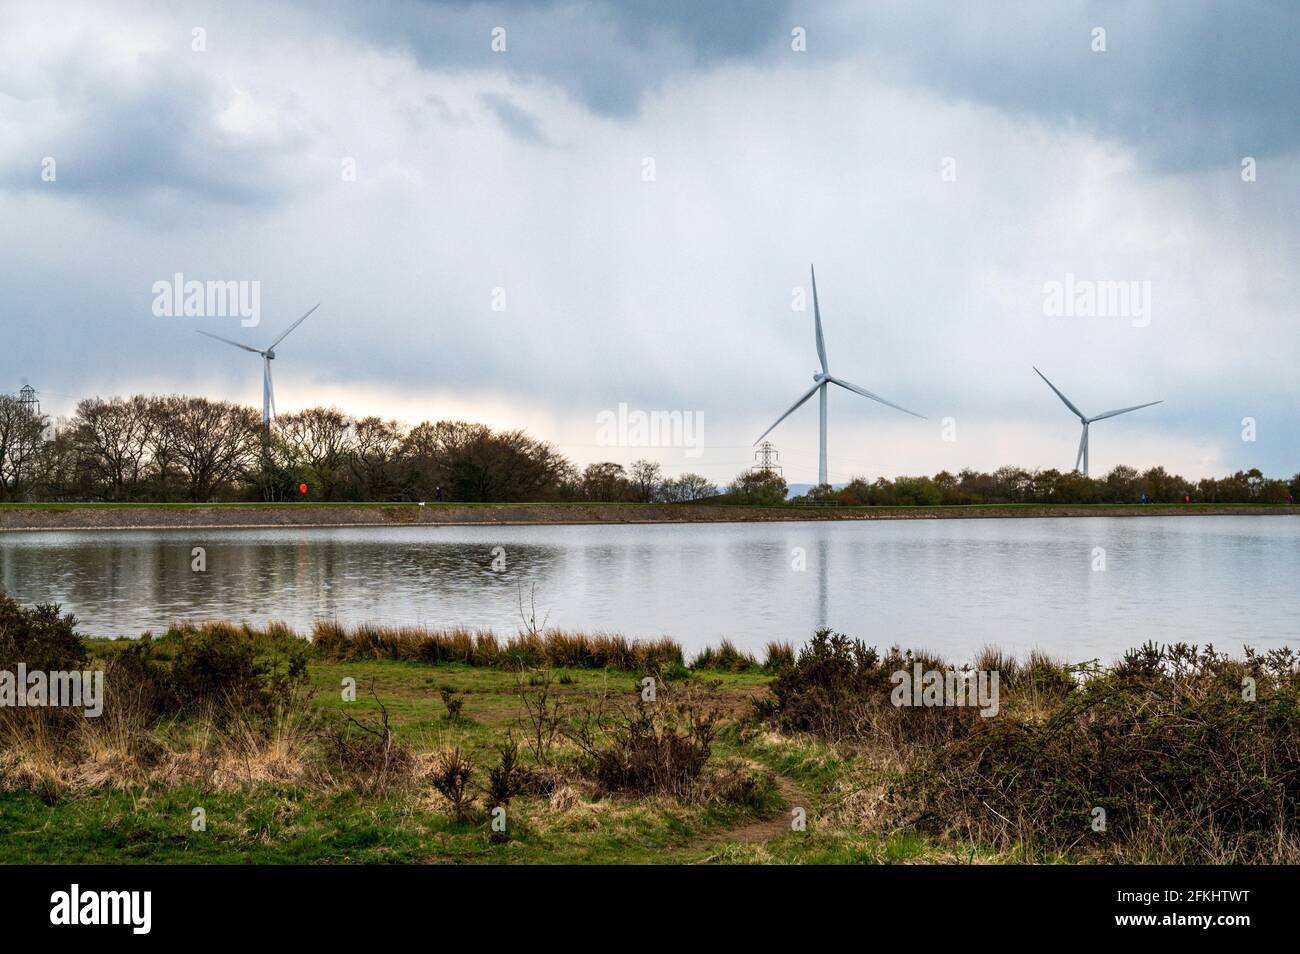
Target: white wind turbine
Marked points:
268	391
1085	421
823	378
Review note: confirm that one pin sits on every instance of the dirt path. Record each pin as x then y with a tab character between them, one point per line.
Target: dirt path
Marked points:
754	833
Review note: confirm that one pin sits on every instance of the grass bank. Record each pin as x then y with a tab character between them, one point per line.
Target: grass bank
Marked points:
97	516
226	744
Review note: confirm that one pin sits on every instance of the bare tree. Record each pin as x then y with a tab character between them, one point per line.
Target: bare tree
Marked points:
111	438
217	444
686	488
21	437
646	477
319	438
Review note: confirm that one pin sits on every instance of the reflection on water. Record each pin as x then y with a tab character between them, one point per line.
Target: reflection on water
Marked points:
947	585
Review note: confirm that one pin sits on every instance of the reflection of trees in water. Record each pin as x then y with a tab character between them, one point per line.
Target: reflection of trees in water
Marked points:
122	586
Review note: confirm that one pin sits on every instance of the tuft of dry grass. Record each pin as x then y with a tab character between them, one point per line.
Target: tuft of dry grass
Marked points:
480	647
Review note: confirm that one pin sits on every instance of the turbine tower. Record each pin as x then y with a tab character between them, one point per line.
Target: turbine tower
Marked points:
1085	421
268	390
823	379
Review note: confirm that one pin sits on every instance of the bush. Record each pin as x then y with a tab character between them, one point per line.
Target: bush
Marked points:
233	669
840	689
367	754
450	776
503	781
41	637
652	747
451	702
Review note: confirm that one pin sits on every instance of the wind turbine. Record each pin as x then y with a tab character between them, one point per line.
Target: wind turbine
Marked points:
823	378
268	391
1085	421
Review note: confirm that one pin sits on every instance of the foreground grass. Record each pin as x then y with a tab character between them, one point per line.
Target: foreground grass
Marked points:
337	751
267	823
288	825
298	824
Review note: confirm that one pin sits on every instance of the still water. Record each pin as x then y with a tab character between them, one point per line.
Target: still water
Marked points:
945	585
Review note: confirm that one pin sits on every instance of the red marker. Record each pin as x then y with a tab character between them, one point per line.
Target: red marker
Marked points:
302	488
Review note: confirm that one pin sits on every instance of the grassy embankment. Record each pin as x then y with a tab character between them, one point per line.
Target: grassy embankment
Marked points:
252	727
110	516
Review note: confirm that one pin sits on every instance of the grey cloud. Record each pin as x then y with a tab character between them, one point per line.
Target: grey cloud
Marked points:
1188	84
518	121
146	144
606	55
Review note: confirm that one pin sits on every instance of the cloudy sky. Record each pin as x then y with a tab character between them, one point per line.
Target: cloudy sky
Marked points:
502	253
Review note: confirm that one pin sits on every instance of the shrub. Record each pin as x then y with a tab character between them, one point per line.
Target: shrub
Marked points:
451	773
503	782
1186	767
658	747
451	702
233	669
41	637
840	689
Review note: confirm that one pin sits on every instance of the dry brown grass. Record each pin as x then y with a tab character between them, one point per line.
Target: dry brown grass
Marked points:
482	647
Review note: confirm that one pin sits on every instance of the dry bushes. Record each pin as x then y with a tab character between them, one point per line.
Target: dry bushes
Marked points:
657	746
1193	756
1168	743
839	689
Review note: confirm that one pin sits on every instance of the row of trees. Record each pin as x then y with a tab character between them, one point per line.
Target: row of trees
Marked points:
1014	485
176	448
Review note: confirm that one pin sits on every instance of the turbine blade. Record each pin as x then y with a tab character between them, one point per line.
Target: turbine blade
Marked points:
817	319
875	397
1083	445
1124	410
292	326
1063	398
229	342
793	407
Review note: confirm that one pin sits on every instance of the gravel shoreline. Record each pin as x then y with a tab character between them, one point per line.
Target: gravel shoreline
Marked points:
306	515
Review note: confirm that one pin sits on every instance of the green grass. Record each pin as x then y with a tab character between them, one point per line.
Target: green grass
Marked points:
268	823
843	788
